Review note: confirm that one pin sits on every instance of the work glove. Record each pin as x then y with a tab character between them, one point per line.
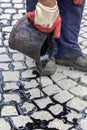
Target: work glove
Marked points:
78	2
46	17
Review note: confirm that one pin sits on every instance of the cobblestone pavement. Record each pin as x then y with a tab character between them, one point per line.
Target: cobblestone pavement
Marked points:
59	104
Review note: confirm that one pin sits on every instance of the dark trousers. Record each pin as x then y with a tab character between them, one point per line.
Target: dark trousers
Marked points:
67	45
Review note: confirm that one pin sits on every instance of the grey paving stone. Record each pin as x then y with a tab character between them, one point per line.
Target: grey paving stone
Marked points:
63	96
7	33
10	75
5	42
45	81
42	103
30	84
4	66
83	124
73	115
5	5
14	22
58	124
11	97
7	29
28	107
18	66
66	84
84	43
17	1
81	39
18	57
2	50
56	109
4	58
57	76
18	6
8	111
77	104
51	89
9	86
5	1
30	63
4	125
22	11
79	91
35	93
42	115
5	17
21	120
17	16
0	97
27	74
85	50
85	35
10	11
10	50
73	74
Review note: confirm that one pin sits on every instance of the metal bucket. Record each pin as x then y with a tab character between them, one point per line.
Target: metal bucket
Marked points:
25	38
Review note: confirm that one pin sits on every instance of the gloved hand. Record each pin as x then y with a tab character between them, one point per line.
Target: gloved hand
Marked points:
46	17
78	2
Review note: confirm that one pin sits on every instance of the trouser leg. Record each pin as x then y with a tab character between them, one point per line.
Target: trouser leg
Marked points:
31	5
71	15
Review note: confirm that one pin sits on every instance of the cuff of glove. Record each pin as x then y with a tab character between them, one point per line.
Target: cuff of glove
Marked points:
78	2
45	16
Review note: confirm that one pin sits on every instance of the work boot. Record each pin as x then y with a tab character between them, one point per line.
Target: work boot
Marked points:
79	63
48	69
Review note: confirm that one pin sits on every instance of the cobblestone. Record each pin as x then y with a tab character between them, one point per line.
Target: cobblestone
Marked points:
17	57
9	111
11	97
46	81
66	84
43	115
83	124
56	109
63	96
4	125
10	86
73	115
42	103
4	58
30	84
77	104
58	124
28	107
35	93
51	90
22	122
79	91
28	102
9	75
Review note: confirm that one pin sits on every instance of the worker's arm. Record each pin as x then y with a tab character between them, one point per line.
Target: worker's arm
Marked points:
48	3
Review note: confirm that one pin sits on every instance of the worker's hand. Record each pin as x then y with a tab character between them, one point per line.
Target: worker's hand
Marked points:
46	17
